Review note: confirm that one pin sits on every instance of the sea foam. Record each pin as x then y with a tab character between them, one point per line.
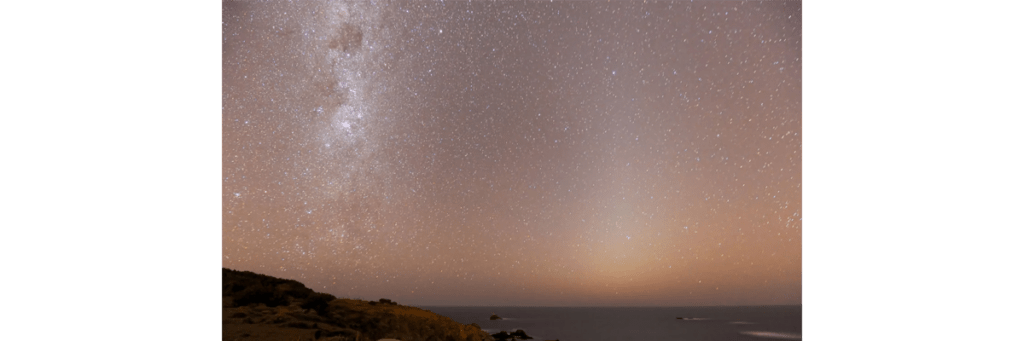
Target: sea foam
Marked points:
773	335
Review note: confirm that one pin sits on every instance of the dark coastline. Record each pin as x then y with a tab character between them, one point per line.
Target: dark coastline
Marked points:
260	307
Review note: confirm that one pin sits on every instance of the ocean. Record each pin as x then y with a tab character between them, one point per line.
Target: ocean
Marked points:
636	323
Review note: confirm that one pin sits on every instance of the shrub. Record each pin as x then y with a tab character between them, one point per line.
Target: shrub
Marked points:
294	289
259	293
319	302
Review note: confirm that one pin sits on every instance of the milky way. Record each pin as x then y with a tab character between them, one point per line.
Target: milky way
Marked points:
516	153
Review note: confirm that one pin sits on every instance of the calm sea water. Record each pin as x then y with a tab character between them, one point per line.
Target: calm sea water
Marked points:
637	324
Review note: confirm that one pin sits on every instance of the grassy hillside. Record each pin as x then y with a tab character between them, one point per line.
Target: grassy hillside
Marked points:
260	307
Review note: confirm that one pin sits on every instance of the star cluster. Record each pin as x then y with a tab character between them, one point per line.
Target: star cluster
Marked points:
516	153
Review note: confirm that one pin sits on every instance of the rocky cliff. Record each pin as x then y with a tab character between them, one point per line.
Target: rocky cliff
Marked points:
260	307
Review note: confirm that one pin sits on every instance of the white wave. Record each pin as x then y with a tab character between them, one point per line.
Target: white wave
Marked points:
773	335
741	322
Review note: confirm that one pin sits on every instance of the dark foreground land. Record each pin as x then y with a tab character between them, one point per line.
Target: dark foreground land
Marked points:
260	307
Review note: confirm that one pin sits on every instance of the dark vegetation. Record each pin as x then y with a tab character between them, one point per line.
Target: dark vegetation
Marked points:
319	302
385	301
248	288
268	308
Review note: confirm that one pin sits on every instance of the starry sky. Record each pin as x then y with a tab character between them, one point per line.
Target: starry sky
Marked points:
566	153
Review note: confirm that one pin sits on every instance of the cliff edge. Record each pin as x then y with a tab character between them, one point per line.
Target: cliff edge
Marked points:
260	307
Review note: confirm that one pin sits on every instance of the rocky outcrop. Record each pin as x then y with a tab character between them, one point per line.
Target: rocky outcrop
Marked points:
495	317
259	307
517	335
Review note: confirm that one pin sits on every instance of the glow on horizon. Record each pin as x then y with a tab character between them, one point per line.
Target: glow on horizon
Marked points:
527	154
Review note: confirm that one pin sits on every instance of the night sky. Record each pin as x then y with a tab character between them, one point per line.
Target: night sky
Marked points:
566	153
